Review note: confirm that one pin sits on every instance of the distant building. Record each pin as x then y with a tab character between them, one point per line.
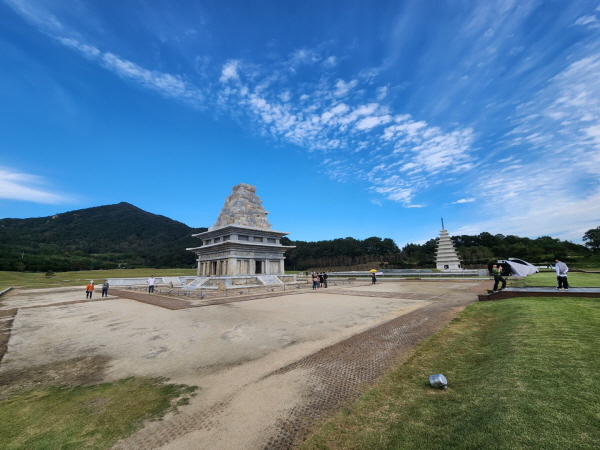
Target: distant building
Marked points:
446	258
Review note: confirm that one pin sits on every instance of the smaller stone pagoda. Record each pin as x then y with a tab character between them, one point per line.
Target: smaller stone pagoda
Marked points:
446	258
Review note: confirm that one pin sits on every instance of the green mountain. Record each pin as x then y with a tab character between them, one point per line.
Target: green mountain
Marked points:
111	236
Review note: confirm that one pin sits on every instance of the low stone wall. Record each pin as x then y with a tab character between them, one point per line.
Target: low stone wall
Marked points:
233	281
5	291
287	278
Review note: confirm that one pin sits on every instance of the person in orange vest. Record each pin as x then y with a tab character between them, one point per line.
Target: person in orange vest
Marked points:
89	289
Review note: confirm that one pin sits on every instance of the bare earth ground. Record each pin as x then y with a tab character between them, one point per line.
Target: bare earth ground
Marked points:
268	368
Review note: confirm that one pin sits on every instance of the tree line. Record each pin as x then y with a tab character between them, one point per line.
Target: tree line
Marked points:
124	236
473	250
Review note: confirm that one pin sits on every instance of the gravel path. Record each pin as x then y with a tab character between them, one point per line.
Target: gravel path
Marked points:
279	408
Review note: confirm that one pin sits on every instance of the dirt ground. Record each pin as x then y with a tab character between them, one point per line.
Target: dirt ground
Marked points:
268	369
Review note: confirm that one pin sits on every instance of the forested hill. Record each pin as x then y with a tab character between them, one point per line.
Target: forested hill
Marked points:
101	237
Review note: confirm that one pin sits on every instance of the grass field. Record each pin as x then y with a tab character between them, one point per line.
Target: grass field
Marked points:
576	279
91	417
522	374
81	278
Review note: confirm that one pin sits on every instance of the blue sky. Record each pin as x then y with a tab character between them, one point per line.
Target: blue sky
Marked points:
355	118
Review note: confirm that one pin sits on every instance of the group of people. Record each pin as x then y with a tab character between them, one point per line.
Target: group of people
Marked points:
89	289
319	280
561	276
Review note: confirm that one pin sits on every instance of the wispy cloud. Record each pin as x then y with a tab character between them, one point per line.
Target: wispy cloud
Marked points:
553	181
590	21
464	200
27	187
515	118
326	113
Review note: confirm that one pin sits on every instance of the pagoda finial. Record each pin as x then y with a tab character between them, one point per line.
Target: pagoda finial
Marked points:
442	223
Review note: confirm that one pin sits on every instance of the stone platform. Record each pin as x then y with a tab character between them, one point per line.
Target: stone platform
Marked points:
540	291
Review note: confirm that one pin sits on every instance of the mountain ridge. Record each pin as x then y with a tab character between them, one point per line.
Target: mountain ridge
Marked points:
116	235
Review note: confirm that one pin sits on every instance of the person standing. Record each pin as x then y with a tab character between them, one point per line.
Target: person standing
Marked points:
325	276
89	289
497	273
321	280
561	275
151	281
373	278
105	288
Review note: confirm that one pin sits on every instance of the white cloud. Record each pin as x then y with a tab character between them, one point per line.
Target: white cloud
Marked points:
464	200
166	84
342	88
373	121
26	187
88	51
535	215
229	71
330	62
589	21
382	92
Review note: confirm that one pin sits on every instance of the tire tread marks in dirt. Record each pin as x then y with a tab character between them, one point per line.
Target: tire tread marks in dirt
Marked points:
338	374
7	317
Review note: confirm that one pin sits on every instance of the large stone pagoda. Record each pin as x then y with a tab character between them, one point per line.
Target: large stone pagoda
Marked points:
241	243
446	258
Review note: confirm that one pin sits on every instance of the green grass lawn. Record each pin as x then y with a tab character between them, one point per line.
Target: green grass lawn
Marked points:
576	279
91	417
39	280
522	374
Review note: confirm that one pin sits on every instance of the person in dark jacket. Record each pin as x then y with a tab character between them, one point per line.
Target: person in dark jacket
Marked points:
105	288
497	273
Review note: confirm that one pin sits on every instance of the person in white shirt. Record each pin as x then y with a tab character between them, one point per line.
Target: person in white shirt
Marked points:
150	282
561	275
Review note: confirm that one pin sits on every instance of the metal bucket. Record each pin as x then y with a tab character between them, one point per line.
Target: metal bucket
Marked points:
438	381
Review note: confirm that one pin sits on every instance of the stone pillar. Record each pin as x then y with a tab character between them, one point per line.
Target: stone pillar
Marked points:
232	268
252	267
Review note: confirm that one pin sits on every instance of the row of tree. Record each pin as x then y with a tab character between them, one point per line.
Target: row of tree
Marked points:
474	251
123	235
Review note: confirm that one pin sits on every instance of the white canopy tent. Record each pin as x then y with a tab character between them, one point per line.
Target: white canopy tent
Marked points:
521	268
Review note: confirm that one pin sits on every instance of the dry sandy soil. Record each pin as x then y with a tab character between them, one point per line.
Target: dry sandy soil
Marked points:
268	369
